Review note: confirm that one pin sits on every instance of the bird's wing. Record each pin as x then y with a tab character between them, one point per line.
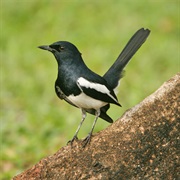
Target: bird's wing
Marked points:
97	91
103	114
61	95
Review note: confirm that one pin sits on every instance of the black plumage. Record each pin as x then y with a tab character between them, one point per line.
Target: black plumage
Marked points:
83	88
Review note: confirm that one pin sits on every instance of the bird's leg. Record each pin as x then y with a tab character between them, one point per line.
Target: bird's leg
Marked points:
82	120
88	138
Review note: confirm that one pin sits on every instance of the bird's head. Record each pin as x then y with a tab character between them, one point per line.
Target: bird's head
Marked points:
62	50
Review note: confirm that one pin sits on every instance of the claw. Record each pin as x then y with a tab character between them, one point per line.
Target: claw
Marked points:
87	140
72	140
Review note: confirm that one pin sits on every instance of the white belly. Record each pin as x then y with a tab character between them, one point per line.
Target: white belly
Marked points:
84	101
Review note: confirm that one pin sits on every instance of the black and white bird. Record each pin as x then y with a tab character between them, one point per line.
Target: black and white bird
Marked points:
83	88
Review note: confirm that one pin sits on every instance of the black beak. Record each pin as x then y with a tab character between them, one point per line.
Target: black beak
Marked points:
45	48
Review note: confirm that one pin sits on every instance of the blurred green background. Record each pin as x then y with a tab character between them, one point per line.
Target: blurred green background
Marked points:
34	122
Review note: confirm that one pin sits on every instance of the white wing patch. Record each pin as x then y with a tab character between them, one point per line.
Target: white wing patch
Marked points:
98	87
82	82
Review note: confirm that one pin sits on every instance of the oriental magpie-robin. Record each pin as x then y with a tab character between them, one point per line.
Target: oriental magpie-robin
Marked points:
84	89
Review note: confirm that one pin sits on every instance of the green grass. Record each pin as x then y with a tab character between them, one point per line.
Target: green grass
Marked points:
34	122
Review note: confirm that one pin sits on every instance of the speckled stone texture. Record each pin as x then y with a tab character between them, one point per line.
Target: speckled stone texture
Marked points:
142	144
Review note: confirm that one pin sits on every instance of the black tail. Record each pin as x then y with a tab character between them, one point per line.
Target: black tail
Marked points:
115	72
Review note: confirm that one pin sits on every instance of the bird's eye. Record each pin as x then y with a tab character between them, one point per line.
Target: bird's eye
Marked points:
61	48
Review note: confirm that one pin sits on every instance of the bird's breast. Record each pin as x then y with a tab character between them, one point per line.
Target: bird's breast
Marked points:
68	85
86	102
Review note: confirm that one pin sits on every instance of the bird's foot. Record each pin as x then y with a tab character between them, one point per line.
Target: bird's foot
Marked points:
87	140
72	140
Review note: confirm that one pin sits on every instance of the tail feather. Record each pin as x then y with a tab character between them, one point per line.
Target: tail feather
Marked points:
115	72
103	114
